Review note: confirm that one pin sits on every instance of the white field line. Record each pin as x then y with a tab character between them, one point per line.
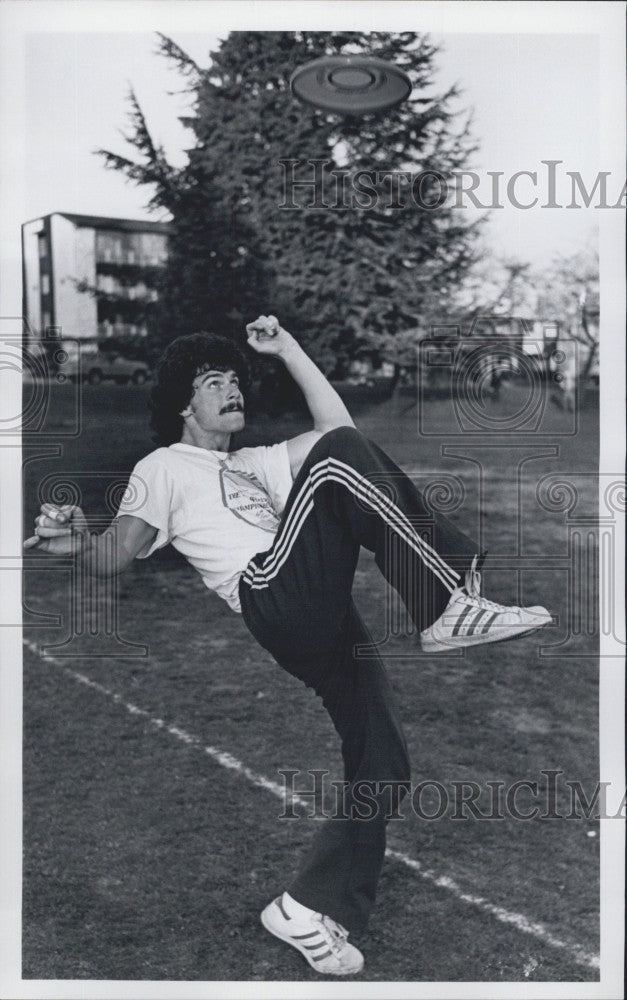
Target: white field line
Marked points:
533	928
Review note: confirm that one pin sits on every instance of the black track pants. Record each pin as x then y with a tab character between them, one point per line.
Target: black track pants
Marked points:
296	601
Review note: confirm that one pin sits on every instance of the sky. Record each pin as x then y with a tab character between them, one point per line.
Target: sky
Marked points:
532	73
534	97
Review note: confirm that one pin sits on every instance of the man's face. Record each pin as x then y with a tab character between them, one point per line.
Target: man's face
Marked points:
216	402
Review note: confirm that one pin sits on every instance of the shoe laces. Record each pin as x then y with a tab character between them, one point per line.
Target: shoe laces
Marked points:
472	588
333	933
473	580
483	602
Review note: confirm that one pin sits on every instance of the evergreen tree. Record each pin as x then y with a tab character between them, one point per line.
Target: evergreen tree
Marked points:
346	279
215	275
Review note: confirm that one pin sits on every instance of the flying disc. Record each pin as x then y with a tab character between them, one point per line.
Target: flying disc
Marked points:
351	85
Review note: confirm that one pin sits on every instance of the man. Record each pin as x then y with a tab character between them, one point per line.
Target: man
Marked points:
276	532
563	374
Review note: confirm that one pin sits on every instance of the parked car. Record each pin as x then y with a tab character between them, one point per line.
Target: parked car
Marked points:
94	368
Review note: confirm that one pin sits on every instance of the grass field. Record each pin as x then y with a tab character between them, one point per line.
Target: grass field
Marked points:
148	855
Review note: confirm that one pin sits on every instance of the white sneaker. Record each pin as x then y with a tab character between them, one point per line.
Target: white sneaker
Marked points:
471	620
320	939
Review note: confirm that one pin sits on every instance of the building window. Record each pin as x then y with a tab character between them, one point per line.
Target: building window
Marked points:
46	320
43	246
45	284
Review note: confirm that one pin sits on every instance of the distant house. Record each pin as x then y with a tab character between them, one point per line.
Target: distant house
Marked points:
67	258
516	335
501	338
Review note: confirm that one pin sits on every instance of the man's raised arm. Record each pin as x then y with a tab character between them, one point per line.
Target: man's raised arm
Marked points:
327	409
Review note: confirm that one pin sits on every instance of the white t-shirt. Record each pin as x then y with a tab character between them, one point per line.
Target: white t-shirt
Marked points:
217	508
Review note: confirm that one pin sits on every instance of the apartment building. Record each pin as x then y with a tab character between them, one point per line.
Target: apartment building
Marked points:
88	277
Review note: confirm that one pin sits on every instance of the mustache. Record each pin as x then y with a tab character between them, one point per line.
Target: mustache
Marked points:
232	408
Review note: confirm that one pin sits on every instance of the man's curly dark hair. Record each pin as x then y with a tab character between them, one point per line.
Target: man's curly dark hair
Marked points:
184	359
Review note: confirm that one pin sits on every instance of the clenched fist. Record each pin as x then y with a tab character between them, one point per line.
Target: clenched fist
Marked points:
267	336
59	530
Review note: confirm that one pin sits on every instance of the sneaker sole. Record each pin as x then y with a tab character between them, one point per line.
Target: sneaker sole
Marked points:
433	646
266	920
